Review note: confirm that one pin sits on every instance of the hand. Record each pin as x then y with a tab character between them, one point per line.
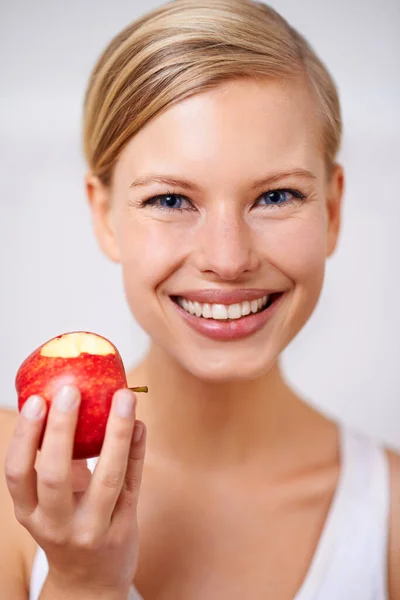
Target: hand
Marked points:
90	538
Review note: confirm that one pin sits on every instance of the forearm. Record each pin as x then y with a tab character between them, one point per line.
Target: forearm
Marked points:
52	590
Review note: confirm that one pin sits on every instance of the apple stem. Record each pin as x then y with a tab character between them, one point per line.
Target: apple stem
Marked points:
139	389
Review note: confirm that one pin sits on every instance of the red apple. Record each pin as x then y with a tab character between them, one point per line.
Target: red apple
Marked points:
88	361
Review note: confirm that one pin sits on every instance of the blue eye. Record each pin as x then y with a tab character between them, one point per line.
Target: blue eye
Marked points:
176	202
281	197
168	202
171	201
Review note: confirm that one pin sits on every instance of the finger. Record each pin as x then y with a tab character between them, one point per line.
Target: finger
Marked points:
126	507
81	475
19	466
108	477
54	470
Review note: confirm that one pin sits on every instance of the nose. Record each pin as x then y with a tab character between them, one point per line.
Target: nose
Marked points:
226	245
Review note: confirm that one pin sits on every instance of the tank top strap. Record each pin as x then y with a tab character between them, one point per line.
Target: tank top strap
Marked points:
371	489
351	557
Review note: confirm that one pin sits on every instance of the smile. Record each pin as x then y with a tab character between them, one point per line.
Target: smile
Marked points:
228	322
222	312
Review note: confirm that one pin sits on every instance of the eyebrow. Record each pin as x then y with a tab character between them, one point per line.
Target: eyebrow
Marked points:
189	185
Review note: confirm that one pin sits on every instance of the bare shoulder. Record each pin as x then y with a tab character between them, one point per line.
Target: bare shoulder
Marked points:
394	531
16	544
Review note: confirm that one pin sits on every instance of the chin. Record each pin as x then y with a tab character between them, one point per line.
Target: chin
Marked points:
225	368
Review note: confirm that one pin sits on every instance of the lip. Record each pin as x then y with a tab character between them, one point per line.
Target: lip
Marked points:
225	296
230	330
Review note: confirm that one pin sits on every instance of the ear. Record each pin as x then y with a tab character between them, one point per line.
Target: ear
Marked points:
335	188
99	197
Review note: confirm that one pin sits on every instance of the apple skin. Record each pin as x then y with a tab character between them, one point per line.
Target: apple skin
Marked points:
96	376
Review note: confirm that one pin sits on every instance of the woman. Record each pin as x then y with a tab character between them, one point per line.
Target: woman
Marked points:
211	133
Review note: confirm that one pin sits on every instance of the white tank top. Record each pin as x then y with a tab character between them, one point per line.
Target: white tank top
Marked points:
351	557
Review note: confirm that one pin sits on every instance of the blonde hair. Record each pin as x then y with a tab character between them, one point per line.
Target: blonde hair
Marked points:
188	46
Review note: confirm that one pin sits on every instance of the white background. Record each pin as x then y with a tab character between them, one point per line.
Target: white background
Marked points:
53	277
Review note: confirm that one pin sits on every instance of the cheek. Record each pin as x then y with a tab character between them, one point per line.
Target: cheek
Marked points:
149	255
297	248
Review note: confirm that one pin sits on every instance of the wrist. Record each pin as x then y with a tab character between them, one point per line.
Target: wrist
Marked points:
71	591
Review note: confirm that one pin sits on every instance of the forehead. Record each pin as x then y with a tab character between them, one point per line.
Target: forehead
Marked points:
242	126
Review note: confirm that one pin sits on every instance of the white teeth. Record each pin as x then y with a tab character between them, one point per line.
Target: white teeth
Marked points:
206	311
246	309
221	312
197	309
234	311
254	306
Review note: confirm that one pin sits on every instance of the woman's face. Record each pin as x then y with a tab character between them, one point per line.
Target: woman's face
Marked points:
253	211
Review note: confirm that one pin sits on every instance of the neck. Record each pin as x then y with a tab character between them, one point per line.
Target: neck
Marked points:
207	425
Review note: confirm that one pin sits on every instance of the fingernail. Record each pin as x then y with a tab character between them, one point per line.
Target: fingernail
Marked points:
67	398
34	407
137	432
125	403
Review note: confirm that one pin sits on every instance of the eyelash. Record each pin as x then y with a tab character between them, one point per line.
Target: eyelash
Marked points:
299	196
